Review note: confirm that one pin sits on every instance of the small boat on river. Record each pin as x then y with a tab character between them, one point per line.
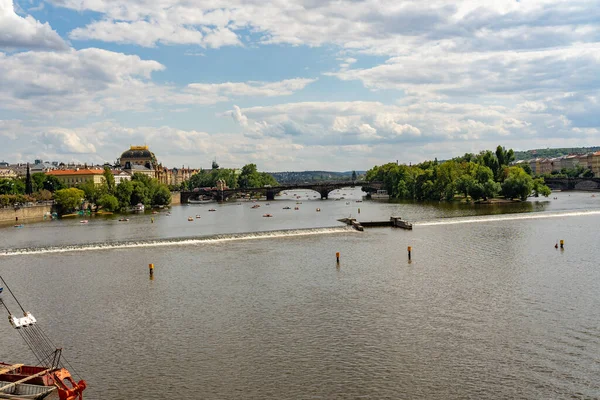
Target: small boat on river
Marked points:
19	226
139	207
191	219
267	215
287	208
255	206
123	219
84	221
212	209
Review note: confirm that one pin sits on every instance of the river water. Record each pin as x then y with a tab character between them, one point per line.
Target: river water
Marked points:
247	307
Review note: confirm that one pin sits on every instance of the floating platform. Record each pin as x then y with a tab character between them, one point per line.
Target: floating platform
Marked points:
395	222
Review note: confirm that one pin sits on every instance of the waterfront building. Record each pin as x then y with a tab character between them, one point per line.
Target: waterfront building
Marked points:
534	164
594	163
120	176
7	173
139	159
73	177
570	162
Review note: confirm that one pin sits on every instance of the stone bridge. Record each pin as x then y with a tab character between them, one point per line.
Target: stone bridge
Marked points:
323	188
573	183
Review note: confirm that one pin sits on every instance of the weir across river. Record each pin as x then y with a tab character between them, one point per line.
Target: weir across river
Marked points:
323	188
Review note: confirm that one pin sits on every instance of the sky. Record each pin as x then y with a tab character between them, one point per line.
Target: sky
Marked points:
333	85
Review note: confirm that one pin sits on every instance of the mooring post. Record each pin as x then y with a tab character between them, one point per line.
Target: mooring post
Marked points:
151	269
409	250
337	257
562	244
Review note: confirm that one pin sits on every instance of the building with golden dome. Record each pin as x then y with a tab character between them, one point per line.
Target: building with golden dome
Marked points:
139	159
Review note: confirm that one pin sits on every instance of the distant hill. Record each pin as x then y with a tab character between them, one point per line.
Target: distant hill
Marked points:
551	153
313	176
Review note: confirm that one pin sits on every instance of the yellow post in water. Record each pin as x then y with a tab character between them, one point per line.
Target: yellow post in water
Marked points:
562	243
151	269
409	250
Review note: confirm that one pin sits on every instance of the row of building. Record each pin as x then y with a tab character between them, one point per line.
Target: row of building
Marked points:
138	159
541	166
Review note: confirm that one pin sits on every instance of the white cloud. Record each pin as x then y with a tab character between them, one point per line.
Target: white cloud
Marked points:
72	82
368	25
18	32
77	83
65	141
254	89
405	129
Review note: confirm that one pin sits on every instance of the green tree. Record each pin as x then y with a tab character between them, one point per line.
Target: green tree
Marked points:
67	200
92	191
28	182
8	186
109	180
162	196
52	183
108	202
140	193
518	184
588	174
37	180
123	193
249	178
353	176
539	187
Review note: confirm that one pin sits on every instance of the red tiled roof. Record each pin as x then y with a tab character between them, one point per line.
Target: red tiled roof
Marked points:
62	172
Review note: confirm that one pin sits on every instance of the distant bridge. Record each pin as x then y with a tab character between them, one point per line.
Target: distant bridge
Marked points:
323	188
573	183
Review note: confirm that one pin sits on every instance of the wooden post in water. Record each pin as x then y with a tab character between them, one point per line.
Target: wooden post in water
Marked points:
337	257
409	250
562	244
151	270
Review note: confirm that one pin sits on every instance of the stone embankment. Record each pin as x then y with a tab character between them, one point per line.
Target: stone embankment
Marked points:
21	214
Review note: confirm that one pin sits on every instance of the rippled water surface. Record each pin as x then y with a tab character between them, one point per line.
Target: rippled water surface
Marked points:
487	308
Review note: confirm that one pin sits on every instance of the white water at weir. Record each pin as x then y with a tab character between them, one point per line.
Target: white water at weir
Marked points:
506	217
178	242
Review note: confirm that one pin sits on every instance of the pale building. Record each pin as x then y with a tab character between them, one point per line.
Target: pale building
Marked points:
74	177
120	176
594	163
7	173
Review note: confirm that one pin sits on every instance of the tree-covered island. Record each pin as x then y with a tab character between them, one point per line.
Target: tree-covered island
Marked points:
477	177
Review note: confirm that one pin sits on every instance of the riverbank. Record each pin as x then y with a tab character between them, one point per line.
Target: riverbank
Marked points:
10	215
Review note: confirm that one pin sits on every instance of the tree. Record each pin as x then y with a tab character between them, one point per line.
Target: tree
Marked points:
140	193
38	181
68	199
353	176
109	180
43	195
540	188
8	186
108	202
123	193
518	184
162	196
92	191
28	182
249	178
52	183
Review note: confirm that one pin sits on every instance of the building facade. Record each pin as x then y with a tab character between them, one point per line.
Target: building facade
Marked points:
74	177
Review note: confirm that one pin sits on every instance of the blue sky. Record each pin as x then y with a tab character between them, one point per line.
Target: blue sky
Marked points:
295	85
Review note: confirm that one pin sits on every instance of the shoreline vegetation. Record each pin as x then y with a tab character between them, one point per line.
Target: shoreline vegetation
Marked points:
484	178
